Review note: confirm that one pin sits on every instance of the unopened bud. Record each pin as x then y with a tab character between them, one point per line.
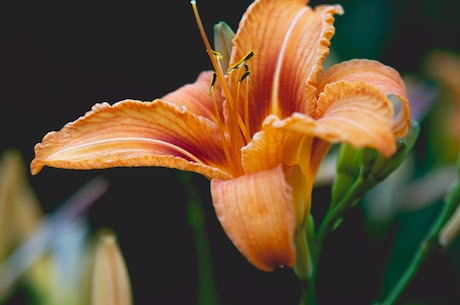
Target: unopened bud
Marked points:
451	229
223	42
111	285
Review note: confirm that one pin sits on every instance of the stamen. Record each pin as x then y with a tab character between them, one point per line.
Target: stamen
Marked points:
240	63
220	77
213	83
221	125
243	63
245	74
235	123
218	55
209	50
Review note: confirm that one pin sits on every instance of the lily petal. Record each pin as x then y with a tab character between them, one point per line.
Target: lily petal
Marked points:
304	35
298	148
264	150
257	213
134	133
355	113
196	98
302	55
387	79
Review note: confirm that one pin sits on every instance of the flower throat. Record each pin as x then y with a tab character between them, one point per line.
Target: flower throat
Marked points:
234	83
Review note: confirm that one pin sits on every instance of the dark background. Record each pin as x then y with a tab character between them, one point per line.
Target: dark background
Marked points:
57	59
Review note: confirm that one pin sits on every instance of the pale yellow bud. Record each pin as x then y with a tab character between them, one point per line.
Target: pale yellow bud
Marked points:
111	285
450	230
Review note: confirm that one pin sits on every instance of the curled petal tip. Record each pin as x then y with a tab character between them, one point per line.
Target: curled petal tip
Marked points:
35	166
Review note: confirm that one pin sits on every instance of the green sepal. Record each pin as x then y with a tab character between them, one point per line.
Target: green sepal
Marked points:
347	170
377	167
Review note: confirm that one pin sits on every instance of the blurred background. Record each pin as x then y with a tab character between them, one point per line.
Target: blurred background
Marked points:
58	59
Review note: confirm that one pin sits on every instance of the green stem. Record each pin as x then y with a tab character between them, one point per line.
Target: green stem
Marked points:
304	268
316	240
335	211
207	293
429	245
307	293
408	275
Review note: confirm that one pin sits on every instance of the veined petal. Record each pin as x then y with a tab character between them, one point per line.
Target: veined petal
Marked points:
387	79
134	133
257	213
303	52
272	146
196	98
289	41
279	144
356	113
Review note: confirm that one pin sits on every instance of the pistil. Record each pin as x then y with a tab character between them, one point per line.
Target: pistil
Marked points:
232	148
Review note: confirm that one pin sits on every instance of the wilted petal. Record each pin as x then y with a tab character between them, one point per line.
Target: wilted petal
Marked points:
374	73
111	284
134	133
257	213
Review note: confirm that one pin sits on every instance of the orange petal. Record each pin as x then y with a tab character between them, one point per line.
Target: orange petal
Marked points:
134	133
273	146
196	98
290	41
302	55
356	113
257	213
374	73
276	144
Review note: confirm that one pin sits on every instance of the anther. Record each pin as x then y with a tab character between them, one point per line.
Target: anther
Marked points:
213	83
241	62
217	55
245	74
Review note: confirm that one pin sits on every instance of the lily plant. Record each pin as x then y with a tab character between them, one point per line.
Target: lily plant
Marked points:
257	126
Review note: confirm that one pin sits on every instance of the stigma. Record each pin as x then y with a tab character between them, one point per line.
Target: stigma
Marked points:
234	84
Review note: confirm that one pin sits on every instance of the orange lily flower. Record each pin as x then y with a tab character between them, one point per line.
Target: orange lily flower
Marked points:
257	130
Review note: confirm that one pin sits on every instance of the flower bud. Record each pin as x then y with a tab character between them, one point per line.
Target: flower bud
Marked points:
451	230
111	285
223	37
